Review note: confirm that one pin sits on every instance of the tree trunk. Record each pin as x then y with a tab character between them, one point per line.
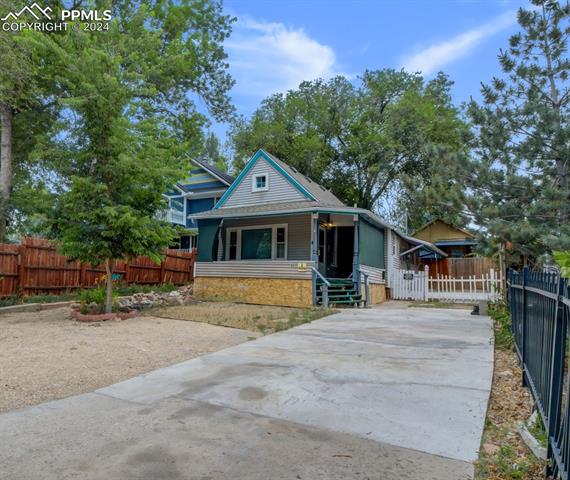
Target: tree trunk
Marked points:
109	286
6	116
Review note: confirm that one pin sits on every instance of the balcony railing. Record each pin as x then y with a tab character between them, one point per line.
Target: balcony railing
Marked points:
172	216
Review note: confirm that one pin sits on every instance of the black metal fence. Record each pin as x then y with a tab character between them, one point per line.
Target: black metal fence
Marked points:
540	310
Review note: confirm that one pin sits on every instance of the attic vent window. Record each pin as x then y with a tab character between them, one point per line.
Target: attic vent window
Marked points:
260	182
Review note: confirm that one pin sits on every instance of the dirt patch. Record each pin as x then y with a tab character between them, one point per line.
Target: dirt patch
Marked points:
46	355
255	318
504	456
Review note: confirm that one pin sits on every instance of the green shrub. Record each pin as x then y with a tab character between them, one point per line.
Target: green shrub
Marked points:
93	295
499	312
7	301
49	298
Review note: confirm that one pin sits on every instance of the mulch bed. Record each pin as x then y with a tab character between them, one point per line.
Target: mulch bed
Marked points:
504	456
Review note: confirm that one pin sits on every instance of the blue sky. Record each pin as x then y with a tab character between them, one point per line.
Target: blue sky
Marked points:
276	44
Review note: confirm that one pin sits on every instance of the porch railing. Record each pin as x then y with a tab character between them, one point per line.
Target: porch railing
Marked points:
172	216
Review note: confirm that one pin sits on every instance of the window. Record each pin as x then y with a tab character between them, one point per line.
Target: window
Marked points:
260	182
265	242
256	244
281	243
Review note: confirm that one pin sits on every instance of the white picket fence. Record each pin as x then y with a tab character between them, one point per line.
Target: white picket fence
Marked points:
409	285
465	289
416	285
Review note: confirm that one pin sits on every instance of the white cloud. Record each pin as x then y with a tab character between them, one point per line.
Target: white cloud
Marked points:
429	59
266	58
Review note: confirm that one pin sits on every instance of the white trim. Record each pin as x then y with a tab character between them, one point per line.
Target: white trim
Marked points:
273	228
177	188
208	194
254	178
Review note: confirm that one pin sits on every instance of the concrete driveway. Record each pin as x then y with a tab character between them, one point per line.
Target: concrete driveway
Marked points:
384	393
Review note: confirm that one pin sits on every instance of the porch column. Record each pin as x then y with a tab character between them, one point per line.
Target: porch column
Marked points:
356	253
315	251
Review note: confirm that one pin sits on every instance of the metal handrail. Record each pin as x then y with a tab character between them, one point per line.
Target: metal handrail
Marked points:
366	287
325	287
320	275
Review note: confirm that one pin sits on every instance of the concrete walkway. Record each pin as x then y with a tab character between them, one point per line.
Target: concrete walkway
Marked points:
384	393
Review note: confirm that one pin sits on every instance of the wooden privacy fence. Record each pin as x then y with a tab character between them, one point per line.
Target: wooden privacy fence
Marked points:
461	267
35	267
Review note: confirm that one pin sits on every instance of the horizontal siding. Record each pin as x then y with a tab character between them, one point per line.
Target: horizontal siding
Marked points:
298	232
253	269
280	189
375	275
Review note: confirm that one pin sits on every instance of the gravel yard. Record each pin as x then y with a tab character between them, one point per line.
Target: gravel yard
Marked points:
46	355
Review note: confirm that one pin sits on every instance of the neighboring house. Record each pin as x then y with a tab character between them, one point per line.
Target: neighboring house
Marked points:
199	192
406	253
455	242
278	238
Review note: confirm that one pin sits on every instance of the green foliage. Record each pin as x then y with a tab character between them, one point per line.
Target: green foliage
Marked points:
300	317
93	295
516	183
538	431
563	259
127	120
9	301
499	312
212	153
510	466
360	141
64	297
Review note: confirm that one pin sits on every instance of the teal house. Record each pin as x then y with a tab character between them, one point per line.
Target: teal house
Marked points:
197	193
276	237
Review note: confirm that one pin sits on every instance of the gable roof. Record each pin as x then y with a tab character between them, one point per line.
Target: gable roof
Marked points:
216	172
428	224
311	190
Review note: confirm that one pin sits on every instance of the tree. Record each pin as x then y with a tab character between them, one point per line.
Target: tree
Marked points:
128	120
515	185
360	141
17	90
213	152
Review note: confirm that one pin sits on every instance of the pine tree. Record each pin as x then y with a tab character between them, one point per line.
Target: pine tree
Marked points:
517	184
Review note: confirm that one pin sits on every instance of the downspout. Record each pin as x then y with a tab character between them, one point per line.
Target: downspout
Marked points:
220	252
356	254
315	252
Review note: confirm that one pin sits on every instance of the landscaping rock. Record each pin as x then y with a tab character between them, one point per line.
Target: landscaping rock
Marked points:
139	301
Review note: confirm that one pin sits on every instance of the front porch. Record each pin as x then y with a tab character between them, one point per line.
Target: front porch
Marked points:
306	259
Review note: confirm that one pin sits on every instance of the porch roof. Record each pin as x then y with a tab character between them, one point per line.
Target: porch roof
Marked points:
422	244
290	208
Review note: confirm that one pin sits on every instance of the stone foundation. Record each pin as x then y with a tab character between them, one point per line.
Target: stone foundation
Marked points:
261	291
